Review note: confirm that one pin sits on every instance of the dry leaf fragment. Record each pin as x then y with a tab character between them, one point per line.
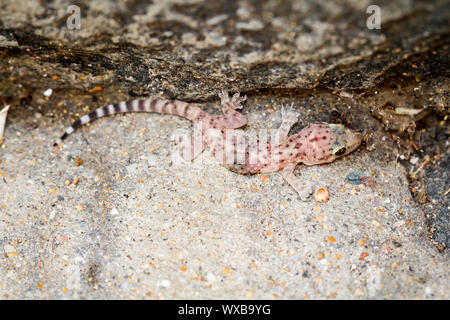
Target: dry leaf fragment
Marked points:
3	114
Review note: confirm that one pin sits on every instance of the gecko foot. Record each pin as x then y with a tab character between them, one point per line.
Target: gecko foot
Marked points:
289	115
223	95
305	193
235	102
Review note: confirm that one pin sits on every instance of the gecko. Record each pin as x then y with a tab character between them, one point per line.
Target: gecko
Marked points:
317	143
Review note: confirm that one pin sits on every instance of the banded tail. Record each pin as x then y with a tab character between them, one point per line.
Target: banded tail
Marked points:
179	108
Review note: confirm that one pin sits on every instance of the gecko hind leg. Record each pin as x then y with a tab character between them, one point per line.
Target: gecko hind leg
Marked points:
304	191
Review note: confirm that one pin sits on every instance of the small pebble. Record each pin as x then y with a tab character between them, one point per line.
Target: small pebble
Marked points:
114	212
210	277
165	283
9	249
48	92
353	178
78	161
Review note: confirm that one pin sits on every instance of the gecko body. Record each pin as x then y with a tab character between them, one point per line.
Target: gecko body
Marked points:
317	143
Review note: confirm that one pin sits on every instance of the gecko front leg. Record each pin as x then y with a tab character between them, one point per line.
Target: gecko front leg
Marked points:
289	118
304	191
231	118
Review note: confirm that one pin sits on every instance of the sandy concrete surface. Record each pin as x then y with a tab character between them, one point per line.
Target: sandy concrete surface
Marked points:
114	214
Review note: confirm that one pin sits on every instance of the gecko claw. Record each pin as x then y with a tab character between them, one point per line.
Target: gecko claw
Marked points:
224	97
289	115
237	99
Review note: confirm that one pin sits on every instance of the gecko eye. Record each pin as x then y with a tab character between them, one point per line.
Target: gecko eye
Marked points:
340	151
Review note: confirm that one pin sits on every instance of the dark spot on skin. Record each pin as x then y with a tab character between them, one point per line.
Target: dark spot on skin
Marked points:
324	138
140	105
164	108
76	124
152	104
105	110
298	145
116	107
186	110
93	114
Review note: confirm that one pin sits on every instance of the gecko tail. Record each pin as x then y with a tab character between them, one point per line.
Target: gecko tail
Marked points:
60	140
175	107
64	136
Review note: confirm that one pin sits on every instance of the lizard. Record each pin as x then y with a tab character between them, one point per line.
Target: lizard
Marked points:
317	143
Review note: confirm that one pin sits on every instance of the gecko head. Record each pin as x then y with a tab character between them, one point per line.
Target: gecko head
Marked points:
325	142
346	140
